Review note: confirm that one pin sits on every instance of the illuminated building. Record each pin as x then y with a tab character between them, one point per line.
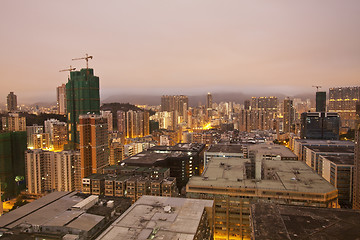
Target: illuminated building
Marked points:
175	103
289	116
229	183
82	97
59	138
14	122
11	102
30	131
61	99
41	141
133	123
116	152
209	101
320	125
94	144
343	101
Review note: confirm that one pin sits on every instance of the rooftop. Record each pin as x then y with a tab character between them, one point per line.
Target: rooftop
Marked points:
324	142
160	217
226	148
267	149
332	149
282	222
286	175
340	160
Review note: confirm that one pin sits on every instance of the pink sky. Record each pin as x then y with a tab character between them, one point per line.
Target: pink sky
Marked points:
179	46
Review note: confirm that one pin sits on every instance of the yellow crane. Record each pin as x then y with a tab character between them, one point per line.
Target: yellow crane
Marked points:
87	57
68	69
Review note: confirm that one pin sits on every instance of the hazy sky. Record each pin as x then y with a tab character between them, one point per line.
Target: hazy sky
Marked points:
179	46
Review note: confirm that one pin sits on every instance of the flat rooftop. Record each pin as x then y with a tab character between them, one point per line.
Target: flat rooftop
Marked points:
340	160
225	148
38	212
282	222
324	142
332	149
146	158
285	175
148	217
267	149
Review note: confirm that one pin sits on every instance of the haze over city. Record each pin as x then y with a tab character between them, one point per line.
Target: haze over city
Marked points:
180	47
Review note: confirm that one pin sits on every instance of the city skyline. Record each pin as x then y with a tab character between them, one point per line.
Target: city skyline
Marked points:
180	47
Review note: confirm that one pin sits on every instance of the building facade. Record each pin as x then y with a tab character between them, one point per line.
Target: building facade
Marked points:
343	101
94	144
11	102
82	97
61	99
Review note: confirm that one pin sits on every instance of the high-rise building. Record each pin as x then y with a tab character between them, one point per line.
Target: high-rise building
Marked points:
61	99
41	141
82	97
356	187
109	116
321	101
320	125
14	122
11	102
289	118
94	144
133	124
12	163
49	171
209	100
59	138
179	103
343	100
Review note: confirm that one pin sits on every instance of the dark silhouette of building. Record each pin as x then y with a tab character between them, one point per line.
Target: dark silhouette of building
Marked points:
11	102
321	101
320	125
356	186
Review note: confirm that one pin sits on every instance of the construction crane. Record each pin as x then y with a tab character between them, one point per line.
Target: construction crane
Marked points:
317	88
87	57
68	69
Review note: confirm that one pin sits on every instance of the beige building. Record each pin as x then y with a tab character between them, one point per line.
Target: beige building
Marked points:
229	182
14	122
52	171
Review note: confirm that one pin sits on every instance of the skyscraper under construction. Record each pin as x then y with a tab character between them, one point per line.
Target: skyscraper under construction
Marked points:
82	95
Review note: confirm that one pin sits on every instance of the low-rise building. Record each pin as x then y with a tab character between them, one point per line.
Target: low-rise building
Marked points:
229	182
163	218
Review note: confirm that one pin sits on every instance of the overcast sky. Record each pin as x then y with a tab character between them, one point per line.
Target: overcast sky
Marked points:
179	46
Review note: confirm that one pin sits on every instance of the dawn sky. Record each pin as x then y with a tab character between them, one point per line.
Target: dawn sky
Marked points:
179	46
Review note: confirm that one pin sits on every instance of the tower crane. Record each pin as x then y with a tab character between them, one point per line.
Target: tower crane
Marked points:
68	69
317	88
87	57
